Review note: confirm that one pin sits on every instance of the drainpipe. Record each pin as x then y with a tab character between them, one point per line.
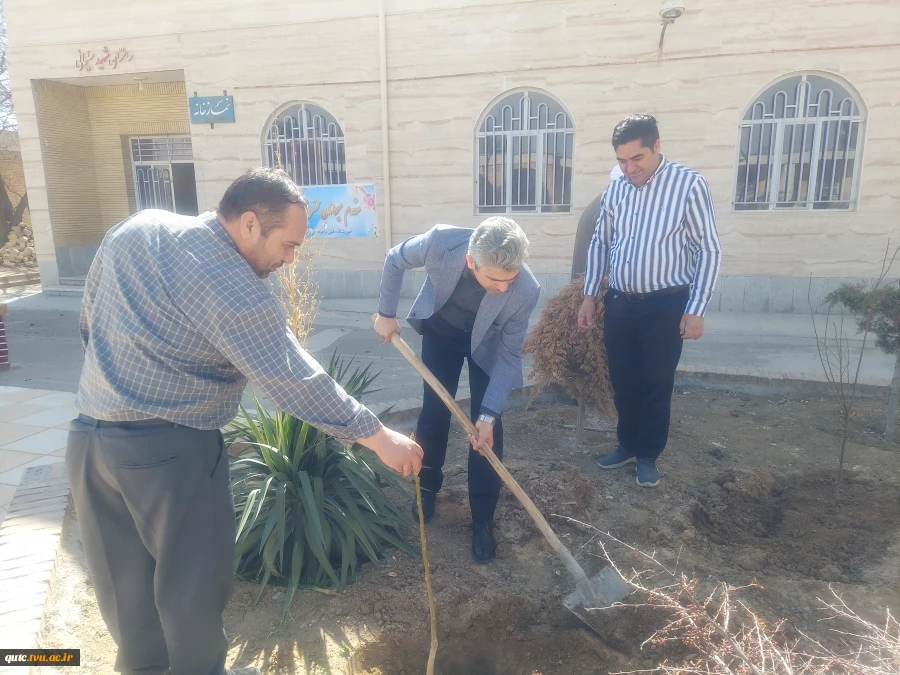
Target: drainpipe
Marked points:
385	128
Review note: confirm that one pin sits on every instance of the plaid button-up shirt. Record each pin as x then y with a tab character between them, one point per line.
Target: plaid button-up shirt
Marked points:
174	323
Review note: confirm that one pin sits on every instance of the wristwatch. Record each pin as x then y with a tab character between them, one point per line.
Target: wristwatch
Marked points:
486	418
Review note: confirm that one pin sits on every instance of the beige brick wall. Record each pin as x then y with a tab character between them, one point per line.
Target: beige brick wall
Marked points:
84	132
68	166
449	59
117	113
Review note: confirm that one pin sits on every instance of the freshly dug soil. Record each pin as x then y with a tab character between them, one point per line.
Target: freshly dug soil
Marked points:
747	493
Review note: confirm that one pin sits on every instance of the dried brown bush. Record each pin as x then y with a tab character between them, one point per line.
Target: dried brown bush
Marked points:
568	356
298	291
725	636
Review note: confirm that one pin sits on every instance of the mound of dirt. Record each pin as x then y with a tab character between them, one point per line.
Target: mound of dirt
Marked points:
794	524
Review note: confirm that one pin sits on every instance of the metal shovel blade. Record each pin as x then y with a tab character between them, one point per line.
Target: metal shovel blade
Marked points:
606	589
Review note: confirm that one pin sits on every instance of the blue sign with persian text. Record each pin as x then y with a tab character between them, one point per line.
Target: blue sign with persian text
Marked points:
211	109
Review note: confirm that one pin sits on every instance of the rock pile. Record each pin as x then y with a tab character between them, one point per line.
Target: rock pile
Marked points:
18	252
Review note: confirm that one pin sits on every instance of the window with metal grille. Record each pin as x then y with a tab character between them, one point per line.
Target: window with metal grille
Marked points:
308	143
161	149
800	147
163	170
524	156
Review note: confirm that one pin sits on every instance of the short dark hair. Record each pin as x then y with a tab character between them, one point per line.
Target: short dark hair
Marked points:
266	192
636	127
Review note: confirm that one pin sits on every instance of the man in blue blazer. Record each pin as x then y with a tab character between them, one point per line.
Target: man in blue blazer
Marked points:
474	305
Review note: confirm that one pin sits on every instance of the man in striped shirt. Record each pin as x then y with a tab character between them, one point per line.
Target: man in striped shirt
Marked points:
656	240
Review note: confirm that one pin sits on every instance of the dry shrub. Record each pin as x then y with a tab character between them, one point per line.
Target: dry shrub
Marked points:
298	291
724	636
568	356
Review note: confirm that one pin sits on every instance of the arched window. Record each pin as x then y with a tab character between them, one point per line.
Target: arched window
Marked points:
308	143
800	147
524	152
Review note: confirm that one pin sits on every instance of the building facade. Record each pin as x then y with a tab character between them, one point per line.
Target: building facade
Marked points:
454	109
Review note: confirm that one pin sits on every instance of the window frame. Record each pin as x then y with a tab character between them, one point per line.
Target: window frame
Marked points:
162	151
539	135
773	181
339	141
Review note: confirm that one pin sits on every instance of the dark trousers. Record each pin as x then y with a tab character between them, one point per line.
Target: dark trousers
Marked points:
643	344
157	522
445	358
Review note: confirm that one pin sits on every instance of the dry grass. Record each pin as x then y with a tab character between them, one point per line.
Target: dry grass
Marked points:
568	356
298	291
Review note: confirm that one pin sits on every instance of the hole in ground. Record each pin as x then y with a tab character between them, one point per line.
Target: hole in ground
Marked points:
794	524
536	652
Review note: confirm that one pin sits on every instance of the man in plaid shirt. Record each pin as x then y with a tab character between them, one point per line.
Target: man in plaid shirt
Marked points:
176	319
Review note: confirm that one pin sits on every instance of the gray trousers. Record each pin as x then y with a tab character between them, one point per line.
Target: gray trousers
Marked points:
157	521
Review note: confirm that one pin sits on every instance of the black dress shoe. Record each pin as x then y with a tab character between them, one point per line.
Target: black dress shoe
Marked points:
427	507
484	546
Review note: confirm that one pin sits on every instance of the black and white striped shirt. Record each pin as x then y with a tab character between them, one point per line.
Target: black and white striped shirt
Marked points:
660	235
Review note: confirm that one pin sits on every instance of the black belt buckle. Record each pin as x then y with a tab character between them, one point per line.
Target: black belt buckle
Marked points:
635	297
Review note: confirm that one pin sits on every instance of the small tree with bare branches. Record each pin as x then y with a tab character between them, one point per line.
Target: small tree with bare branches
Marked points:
878	311
838	364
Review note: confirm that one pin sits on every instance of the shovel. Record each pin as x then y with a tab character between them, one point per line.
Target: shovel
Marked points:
603	589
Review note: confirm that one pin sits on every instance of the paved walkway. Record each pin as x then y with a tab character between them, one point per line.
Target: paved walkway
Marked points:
33	424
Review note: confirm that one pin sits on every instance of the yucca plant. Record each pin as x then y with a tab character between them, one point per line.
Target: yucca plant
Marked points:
308	508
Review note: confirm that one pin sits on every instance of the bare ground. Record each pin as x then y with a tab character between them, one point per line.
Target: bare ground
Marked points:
747	492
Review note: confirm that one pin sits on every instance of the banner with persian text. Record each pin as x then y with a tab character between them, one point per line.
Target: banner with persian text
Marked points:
342	211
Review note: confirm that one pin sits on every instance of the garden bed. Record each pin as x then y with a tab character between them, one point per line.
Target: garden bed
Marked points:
747	493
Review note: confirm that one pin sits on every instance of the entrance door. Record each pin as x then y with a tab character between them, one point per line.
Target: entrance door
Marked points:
184	188
164	174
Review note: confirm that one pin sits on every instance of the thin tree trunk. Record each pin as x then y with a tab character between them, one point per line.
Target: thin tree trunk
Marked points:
579	425
7	213
840	476
892	401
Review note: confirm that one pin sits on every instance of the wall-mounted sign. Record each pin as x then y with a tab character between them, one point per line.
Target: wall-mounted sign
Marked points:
104	60
337	211
211	109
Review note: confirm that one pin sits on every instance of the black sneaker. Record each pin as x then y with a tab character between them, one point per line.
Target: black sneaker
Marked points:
484	546
647	473
428	499
619	457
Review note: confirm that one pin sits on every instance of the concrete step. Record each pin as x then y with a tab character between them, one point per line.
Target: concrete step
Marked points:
72	281
77	291
19	279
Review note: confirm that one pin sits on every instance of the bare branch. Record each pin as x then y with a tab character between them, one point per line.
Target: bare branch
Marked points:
728	638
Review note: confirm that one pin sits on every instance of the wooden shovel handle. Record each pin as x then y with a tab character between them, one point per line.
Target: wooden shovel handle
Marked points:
581	580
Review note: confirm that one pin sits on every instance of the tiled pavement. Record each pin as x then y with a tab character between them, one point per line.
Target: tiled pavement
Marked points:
33	424
29	541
